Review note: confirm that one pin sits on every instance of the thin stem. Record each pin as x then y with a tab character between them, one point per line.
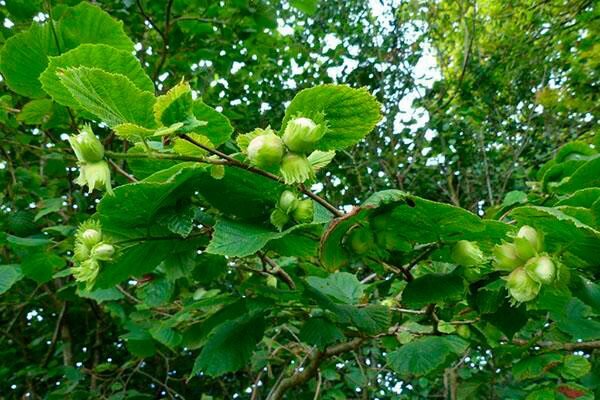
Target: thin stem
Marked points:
164	156
277	270
121	171
315	359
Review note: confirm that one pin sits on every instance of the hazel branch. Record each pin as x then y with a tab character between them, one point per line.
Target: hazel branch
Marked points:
238	164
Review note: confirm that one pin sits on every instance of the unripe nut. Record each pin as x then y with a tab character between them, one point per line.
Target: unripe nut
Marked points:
301	134
288	201
467	254
505	257
91	237
304	211
520	285
532	236
278	218
103	251
541	269
86	146
266	151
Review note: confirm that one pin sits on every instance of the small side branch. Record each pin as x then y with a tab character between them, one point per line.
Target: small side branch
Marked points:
315	360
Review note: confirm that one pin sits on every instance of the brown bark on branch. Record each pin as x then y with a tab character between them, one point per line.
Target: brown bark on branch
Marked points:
314	362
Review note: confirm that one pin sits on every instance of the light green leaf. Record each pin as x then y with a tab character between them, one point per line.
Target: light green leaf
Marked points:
308	7
425	355
9	275
111	97
174	106
25	55
230	346
88	23
99	56
185	148
134	133
49	206
581	198
350	113
36	112
218	129
586	176
320	159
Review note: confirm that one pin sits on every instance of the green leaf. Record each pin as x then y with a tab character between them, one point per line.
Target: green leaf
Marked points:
371	319
575	319
111	97
241	194
49	206
433	288
99	56
574	367
320	332
25	55
88	23
308	7
9	275
136	204
230	346
410	219
350	113
536	366
581	198
586	176
144	167
514	197
341	286
425	355
27	242
240	239
563	233
36	112
174	106
41	266
129	262
587	291
218	129
101	295
181	222
165	335
185	148
156	293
